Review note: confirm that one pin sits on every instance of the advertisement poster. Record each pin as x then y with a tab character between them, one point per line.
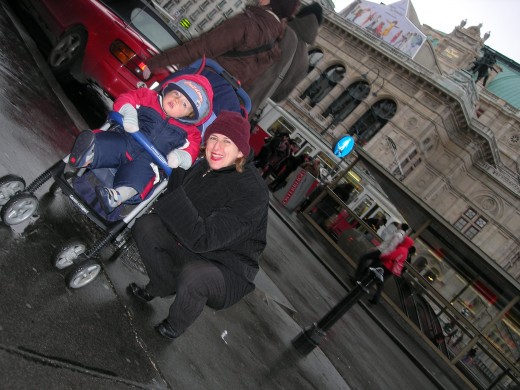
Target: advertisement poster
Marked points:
388	23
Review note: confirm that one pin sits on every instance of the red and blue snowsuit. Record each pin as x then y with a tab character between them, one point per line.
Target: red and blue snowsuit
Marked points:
119	150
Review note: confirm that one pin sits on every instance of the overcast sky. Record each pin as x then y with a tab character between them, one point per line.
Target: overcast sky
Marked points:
501	17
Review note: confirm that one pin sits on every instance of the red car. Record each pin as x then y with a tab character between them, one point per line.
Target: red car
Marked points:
104	41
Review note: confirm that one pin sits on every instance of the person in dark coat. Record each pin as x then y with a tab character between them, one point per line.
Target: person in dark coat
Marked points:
302	31
287	167
245	45
203	240
306	25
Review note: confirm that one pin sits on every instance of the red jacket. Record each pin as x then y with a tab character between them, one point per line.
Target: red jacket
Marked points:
159	128
394	261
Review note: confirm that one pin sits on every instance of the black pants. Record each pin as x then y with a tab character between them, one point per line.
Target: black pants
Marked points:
370	259
172	269
379	285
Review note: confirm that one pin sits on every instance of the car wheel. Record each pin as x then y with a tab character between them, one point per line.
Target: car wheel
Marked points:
10	185
68	50
19	208
82	274
68	253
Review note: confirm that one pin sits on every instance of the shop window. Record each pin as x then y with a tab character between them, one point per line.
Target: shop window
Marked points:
280	125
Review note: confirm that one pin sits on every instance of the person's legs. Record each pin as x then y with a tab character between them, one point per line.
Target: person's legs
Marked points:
365	262
379	287
200	282
162	255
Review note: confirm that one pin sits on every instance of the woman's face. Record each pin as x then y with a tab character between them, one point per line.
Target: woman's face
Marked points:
221	152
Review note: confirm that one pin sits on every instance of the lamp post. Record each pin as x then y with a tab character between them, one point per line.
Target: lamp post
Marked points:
312	336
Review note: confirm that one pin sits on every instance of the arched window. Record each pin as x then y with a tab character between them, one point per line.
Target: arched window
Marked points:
347	101
315	56
373	120
324	84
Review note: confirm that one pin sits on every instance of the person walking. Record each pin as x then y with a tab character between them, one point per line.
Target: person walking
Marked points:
246	45
293	65
371	258
203	240
393	264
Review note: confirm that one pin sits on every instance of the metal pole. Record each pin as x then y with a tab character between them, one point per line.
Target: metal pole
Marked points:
311	337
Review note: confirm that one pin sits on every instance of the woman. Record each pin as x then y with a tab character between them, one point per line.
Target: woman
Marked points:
204	238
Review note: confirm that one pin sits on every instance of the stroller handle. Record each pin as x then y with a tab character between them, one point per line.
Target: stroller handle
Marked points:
157	156
246	100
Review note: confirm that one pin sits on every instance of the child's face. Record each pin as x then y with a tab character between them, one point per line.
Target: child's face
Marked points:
176	105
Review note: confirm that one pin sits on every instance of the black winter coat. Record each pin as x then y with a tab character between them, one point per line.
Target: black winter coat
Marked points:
222	216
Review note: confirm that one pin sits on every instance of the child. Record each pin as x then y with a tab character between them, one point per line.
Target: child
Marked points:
169	119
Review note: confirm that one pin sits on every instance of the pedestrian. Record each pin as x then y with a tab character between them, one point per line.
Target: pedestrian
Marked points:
283	75
168	118
306	25
270	147
312	166
245	45
389	230
393	265
375	222
470	356
372	257
203	240
284	150
286	167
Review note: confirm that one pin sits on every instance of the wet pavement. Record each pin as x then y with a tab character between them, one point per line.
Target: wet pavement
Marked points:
99	337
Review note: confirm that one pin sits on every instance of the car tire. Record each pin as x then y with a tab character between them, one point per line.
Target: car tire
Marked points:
68	51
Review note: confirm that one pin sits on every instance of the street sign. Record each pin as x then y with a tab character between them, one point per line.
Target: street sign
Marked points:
344	146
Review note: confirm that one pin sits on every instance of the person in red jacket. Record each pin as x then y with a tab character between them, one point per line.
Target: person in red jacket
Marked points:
393	264
168	118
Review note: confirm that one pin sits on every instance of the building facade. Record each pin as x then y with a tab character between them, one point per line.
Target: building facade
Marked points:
437	115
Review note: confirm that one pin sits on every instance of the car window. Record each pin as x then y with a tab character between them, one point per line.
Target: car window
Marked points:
143	17
148	26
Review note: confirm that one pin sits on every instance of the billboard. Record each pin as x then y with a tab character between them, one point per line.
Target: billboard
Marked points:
388	23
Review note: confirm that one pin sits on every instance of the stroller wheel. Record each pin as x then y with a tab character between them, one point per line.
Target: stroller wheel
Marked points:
67	254
19	208
82	274
10	185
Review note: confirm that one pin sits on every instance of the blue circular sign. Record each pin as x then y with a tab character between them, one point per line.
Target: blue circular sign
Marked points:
344	146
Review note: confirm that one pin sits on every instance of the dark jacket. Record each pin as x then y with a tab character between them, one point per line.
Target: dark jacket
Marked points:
222	216
248	30
306	29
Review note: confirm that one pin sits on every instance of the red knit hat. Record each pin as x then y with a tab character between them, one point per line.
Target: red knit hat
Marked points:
234	126
284	8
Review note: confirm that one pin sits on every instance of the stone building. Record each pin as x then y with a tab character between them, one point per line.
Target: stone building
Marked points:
437	124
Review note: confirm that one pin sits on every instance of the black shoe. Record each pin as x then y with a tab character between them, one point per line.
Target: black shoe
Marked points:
372	301
140	293
166	330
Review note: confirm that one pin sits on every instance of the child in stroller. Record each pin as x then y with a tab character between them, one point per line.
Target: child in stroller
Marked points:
19	205
169	118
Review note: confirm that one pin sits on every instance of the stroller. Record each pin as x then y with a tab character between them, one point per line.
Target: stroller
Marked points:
19	205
